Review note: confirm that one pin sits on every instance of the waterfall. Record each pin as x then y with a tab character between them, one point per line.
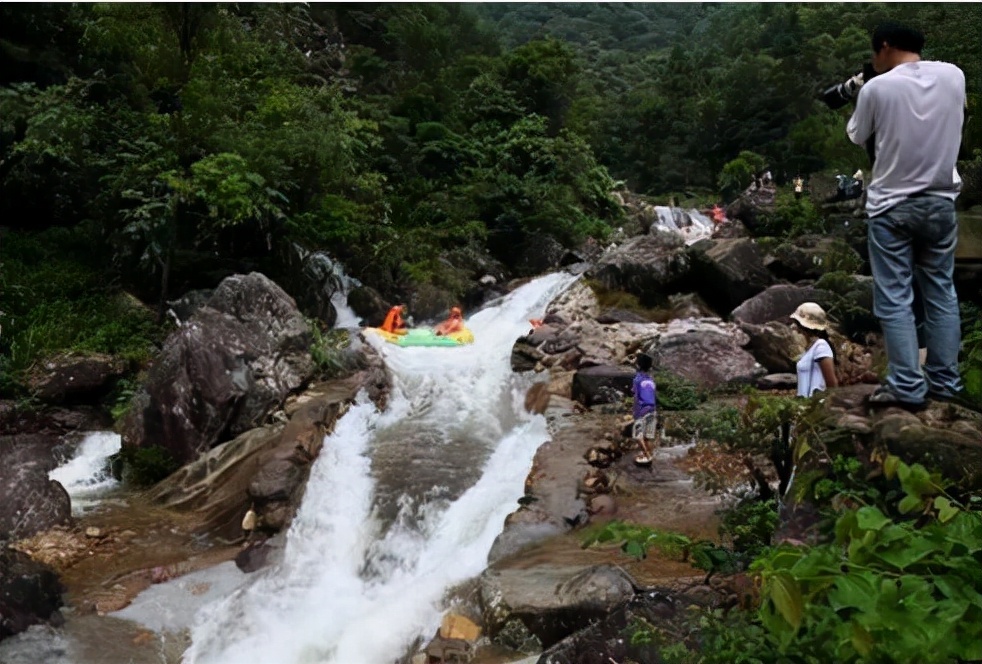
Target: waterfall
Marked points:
400	506
691	224
86	475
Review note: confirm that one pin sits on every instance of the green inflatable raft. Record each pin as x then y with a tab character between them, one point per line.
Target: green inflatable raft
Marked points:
425	337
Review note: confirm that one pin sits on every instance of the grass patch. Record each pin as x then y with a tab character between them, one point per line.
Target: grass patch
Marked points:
57	296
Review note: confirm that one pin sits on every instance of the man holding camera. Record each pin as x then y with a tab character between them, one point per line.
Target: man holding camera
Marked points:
913	109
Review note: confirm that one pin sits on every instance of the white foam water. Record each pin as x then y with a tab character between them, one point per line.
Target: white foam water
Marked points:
356	586
86	475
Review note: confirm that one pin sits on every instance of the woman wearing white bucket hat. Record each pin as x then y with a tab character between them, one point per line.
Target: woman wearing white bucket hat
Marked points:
816	368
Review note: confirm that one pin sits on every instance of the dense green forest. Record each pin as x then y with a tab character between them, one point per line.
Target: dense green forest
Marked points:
152	148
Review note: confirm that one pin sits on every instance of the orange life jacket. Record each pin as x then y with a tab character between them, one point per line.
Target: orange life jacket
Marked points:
453	324
393	321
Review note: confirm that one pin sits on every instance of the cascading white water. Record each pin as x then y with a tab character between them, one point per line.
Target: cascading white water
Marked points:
347	318
691	224
86	475
400	506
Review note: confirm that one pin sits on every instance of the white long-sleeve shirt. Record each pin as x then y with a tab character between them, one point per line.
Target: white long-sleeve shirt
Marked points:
916	111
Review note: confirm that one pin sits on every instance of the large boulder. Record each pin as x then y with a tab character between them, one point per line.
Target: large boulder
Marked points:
752	207
707	352
223	372
368	304
777	303
30	593
602	384
811	256
538	254
646	266
775	345
75	379
31	502
549	601
313	278
728	272
264	469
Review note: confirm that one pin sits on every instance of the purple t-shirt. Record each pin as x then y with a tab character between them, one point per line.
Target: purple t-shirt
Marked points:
644	394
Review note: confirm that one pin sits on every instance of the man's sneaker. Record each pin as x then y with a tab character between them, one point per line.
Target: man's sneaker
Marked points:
883	397
959	398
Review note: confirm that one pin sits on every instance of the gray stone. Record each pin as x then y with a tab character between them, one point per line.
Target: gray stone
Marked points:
552	601
602	384
728	272
31	502
646	266
707	352
224	372
75	379
30	594
777	303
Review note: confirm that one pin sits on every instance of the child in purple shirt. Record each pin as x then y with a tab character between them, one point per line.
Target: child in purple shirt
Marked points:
645	409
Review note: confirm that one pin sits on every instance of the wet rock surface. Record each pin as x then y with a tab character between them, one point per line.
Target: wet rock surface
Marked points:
31	502
30	593
224	372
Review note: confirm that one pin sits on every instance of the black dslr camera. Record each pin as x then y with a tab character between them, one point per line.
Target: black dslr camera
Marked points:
841	94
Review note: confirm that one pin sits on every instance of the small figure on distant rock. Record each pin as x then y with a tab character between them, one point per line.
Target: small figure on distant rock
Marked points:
799	187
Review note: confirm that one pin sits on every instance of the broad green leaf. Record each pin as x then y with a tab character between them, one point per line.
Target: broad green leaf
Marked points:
946	511
854	590
787	598
890	466
904	554
871	518
634	549
910	503
862	641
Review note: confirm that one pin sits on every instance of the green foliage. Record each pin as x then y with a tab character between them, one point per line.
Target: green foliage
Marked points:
792	217
328	350
54	299
145	466
971	353
635	541
842	258
737	174
883	591
122	396
749	525
677	393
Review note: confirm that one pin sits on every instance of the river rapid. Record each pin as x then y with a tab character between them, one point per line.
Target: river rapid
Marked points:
401	507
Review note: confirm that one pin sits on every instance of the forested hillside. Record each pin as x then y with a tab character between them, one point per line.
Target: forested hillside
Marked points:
153	148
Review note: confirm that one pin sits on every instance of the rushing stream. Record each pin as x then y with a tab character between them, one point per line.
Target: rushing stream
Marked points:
400	506
86	475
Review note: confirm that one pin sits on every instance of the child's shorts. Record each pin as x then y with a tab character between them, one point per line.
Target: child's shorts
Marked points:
646	426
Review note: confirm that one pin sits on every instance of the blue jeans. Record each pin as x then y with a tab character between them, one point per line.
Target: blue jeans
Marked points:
916	239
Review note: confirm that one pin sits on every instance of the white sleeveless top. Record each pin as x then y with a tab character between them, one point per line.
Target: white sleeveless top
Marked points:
810	378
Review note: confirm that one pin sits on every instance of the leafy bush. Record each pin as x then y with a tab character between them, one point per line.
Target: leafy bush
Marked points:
739	173
54	298
635	541
328	350
145	466
677	393
792	217
749	525
883	591
971	354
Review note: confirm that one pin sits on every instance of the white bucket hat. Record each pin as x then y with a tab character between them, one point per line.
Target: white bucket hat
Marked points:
811	316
